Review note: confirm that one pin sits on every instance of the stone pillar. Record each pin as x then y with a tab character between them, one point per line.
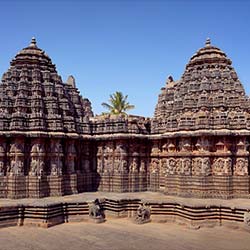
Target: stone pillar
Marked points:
143	185
55	179
154	167
134	172
37	186
222	170
37	181
240	170
70	177
17	184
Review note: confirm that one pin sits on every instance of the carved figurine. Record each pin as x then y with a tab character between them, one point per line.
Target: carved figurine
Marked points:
16	167
96	211
142	214
247	219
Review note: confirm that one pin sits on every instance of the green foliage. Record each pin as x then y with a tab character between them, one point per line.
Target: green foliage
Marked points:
118	104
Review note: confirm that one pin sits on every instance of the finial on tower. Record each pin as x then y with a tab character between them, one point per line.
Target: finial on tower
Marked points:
208	42
33	42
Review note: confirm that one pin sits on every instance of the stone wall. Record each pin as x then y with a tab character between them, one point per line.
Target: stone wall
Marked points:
204	166
39	167
122	165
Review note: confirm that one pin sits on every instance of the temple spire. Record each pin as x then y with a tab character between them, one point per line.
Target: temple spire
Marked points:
208	42
33	42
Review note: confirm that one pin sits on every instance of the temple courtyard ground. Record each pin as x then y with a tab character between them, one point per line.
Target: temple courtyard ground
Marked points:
121	234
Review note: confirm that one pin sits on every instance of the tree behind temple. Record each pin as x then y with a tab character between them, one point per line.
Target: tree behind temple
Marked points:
118	104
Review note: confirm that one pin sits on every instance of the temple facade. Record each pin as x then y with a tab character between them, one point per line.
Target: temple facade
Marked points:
196	145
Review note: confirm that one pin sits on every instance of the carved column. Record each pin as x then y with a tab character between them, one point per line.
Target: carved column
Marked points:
2	158
37	185
222	164
201	163
70	178
3	178
56	179
154	166
170	168
241	169
241	163
222	169
134	169
184	164
120	167
143	166
107	167
16	179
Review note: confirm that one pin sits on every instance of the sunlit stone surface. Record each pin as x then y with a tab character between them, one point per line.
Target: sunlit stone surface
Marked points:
196	145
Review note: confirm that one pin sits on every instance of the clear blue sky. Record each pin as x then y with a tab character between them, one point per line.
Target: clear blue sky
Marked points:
131	46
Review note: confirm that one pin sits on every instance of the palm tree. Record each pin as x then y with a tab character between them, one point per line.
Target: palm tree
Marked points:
118	104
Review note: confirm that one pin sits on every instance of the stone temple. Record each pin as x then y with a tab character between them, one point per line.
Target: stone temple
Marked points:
196	145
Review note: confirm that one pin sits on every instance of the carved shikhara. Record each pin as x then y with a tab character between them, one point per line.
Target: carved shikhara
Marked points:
196	145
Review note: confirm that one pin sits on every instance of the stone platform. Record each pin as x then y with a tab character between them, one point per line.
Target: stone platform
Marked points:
194	213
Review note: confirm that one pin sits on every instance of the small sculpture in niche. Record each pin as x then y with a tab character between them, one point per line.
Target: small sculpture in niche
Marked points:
134	165
154	166
16	167
142	167
36	168
241	166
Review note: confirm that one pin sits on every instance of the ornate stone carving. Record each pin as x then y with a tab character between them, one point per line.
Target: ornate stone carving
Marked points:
100	160
56	158
241	147
164	149
2	159
202	144
142	214
71	157
155	149
16	159
184	166
201	166
134	165
16	167
171	166
143	167
163	166
108	165
154	166
2	169
200	125
185	145
206	86
247	219
99	165
120	159
96	211
222	166
171	147
36	167
37	159
241	166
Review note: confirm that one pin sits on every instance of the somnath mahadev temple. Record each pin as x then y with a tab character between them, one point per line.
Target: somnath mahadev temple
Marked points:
196	145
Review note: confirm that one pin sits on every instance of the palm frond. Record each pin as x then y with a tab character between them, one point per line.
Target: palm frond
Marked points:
118	103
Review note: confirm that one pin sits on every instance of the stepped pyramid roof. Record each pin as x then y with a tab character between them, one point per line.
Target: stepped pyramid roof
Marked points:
33	96
209	95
